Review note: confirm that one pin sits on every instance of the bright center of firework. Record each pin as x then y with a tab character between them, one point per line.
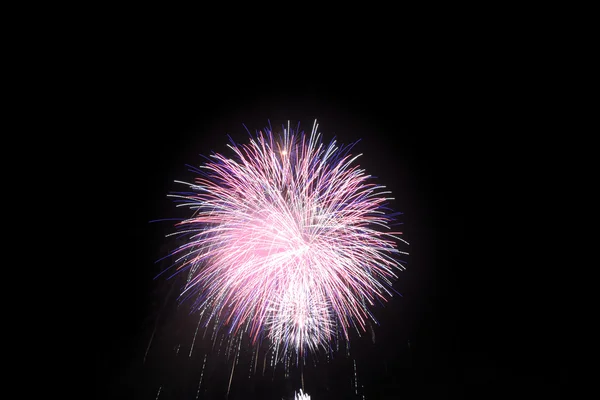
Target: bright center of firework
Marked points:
286	246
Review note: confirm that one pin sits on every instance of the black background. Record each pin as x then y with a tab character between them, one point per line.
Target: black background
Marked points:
442	125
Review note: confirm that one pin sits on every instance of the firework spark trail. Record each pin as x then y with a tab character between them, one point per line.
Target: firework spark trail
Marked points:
201	376
288	239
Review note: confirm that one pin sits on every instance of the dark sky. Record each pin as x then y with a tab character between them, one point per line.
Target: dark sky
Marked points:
440	129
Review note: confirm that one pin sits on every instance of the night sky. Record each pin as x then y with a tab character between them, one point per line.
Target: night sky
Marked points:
439	129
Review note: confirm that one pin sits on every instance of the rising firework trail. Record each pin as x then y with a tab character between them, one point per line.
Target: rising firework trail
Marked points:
289	241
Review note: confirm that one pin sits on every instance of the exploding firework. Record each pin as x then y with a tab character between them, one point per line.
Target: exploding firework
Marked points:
288	240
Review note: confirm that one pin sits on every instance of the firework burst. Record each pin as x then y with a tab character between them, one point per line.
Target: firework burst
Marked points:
289	240
301	396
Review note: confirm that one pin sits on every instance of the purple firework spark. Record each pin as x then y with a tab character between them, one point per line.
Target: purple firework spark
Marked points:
288	240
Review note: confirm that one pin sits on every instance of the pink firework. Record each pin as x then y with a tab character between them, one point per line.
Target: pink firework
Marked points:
288	240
